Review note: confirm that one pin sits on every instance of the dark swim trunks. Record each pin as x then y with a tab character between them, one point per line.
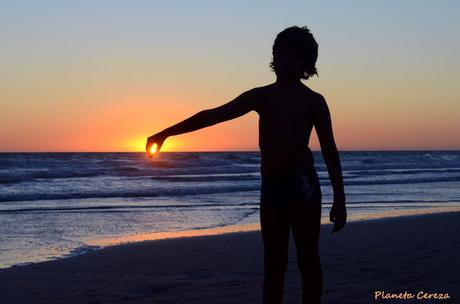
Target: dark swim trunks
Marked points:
281	191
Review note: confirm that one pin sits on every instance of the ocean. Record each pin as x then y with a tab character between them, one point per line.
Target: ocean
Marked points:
54	205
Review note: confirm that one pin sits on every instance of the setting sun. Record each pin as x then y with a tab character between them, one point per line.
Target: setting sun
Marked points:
153	149
138	145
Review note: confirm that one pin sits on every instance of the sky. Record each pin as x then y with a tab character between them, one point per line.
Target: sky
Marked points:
105	75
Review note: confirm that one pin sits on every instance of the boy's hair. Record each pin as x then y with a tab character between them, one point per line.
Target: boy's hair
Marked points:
301	42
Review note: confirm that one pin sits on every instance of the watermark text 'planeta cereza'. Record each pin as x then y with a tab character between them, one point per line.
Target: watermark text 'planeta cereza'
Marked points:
421	295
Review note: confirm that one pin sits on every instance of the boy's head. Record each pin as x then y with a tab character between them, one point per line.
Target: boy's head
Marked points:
294	53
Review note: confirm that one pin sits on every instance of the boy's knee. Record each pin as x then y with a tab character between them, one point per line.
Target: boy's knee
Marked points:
276	263
309	261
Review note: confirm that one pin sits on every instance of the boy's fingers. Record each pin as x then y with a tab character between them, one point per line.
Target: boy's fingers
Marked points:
336	228
148	145
339	224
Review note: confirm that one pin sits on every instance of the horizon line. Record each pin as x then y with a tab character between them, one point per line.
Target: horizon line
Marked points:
242	151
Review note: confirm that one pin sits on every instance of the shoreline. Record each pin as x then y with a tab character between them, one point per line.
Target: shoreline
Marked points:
408	253
154	236
92	245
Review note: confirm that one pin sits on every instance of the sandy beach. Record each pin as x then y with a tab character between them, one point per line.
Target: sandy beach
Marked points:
411	254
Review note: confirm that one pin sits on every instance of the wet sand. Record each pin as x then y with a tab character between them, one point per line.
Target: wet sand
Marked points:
412	254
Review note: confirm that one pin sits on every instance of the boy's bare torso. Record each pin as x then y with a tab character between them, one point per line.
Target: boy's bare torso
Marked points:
287	115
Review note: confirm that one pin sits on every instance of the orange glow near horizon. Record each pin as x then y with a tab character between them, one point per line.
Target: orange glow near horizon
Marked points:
107	83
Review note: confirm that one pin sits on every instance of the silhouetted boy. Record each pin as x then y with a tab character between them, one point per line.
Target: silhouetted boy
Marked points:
290	193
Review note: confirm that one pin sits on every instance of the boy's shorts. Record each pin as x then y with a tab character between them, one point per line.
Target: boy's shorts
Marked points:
298	188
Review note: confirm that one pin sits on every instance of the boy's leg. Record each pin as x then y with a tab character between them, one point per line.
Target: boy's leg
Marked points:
275	233
305	218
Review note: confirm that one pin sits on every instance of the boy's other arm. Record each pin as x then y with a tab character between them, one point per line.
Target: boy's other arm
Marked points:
239	106
323	127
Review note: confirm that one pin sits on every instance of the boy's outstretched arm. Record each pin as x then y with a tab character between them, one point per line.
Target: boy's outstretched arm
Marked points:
323	126
239	106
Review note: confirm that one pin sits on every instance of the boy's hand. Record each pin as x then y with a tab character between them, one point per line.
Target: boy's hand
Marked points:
338	216
157	139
